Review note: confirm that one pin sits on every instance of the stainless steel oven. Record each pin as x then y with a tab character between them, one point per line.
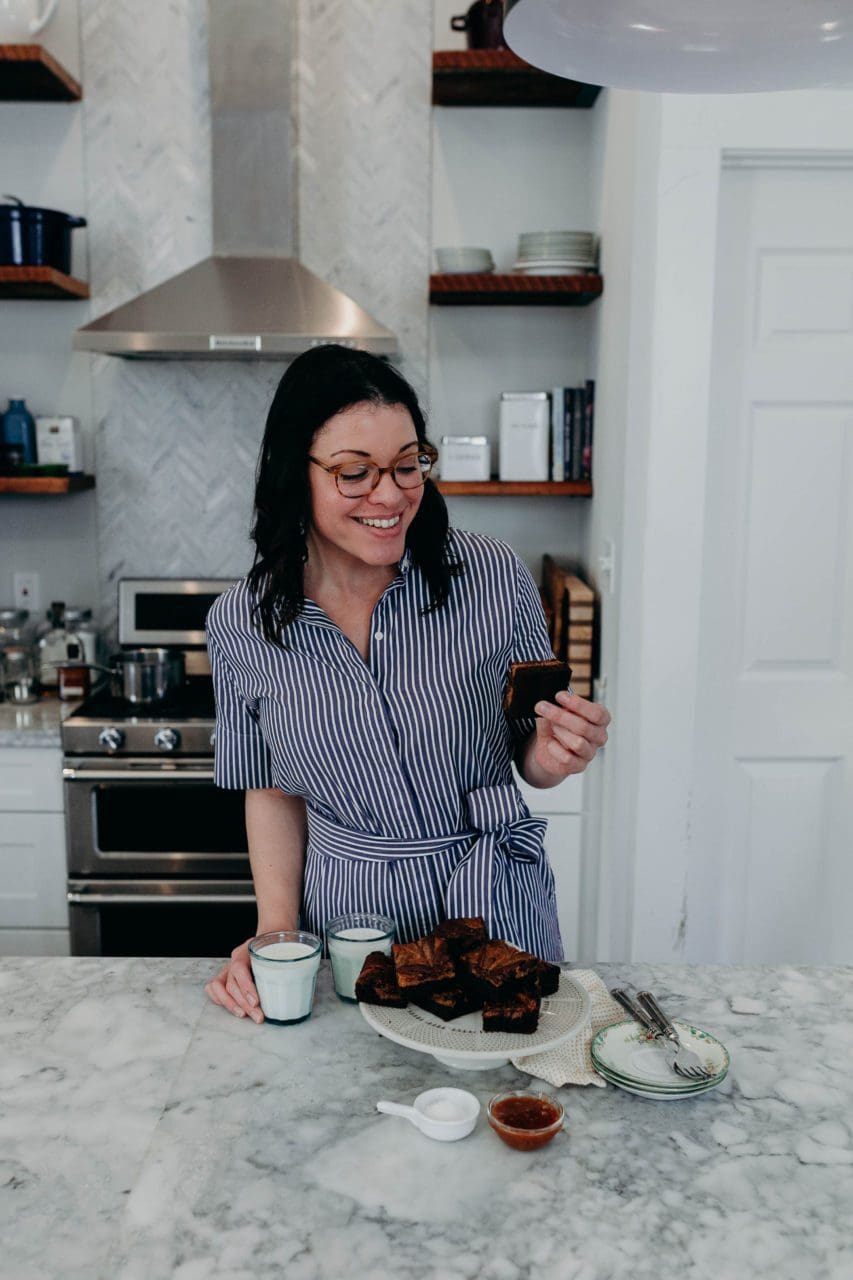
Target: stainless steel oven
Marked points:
157	854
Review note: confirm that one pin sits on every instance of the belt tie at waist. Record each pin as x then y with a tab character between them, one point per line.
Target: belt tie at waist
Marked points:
501	830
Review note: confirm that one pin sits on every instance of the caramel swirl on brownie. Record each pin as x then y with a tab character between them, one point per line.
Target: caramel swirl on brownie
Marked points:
496	968
423	965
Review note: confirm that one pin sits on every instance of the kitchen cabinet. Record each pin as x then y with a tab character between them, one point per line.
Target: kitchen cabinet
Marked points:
33	907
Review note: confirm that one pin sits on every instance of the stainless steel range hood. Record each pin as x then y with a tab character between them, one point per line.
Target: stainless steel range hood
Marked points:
233	307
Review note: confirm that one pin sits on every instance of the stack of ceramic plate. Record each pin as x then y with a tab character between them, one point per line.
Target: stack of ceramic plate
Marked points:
626	1056
453	261
556	253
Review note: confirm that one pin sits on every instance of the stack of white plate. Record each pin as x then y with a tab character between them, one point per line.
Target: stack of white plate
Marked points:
556	253
452	261
626	1057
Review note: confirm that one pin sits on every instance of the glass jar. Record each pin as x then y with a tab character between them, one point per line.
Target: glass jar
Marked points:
14	627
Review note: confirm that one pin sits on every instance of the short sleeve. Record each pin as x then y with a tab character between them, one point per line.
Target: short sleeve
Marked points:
530	639
241	755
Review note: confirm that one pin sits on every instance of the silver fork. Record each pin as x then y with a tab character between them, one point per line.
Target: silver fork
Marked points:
639	1014
686	1062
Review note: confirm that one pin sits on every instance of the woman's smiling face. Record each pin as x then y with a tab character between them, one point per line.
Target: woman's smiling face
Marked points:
363	433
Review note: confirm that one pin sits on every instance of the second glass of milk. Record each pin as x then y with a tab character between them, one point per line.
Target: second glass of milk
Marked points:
284	967
350	940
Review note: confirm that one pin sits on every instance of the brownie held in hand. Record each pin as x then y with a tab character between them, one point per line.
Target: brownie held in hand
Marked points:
377	982
423	965
497	969
532	682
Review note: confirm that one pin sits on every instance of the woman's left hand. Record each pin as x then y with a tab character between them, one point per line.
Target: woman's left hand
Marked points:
568	734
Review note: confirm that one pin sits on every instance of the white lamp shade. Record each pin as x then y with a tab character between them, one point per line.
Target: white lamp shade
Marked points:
687	46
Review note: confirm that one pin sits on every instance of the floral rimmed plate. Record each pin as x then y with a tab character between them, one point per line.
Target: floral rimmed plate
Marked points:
624	1054
464	1044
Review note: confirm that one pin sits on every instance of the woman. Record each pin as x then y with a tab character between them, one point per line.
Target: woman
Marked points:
359	673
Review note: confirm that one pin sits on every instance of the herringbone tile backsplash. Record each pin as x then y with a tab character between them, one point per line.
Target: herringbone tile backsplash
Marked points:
176	441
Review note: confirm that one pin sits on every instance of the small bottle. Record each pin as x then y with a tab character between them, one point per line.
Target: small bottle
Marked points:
54	644
19	433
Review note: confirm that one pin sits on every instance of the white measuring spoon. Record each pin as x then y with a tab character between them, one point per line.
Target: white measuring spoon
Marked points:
443	1114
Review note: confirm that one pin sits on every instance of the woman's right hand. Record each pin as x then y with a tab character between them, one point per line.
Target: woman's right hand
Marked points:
233	987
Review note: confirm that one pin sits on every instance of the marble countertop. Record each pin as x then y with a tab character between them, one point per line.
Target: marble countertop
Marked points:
34	724
146	1134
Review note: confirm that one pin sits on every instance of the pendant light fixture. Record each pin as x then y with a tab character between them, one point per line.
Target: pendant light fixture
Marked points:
687	46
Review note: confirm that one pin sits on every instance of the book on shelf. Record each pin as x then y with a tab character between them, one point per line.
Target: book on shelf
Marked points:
572	414
589	417
558	457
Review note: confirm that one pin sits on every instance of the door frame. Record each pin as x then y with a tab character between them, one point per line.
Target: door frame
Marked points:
650	796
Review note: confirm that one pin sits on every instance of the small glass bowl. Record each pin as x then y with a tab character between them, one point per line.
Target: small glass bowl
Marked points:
526	1138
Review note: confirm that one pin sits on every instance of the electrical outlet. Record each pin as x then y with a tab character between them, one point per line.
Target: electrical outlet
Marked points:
27	591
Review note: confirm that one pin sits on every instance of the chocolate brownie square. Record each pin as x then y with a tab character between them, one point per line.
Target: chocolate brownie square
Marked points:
497	969
377	982
549	978
449	1004
462	933
532	682
518	1012
423	965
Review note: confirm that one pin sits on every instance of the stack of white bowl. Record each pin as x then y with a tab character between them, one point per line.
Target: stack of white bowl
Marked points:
556	253
453	261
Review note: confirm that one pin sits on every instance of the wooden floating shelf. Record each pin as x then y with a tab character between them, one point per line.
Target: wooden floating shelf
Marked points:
517	488
28	73
46	484
41	282
499	78
462	289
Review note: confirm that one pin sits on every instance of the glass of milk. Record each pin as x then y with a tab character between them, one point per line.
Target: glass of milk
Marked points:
284	967
350	939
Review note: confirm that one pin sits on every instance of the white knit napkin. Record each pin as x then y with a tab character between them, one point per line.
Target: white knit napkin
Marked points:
571	1062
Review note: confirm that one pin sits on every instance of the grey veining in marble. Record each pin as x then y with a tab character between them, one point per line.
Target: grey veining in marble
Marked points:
34	724
145	1133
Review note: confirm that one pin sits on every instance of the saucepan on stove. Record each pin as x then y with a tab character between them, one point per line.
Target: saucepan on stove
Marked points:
34	237
144	676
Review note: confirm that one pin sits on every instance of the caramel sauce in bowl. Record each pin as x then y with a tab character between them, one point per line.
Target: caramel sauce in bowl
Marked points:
525	1120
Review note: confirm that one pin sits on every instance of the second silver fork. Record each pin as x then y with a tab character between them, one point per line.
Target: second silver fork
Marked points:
686	1062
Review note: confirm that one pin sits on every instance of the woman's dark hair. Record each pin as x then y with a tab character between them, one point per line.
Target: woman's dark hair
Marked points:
319	384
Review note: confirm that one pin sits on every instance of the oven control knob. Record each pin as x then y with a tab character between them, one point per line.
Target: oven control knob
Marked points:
166	739
111	738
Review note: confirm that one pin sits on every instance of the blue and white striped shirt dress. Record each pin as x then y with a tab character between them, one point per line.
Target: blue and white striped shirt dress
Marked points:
404	761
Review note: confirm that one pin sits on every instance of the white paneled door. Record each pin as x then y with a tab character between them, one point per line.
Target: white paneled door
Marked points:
771	840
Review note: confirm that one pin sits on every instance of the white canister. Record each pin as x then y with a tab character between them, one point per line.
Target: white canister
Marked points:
465	458
524	435
58	440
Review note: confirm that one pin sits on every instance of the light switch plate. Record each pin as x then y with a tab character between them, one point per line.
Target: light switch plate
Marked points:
27	591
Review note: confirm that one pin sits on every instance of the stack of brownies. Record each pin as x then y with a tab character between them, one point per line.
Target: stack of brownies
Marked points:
458	969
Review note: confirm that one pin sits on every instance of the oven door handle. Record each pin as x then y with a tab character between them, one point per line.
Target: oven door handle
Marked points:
155	900
139	775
